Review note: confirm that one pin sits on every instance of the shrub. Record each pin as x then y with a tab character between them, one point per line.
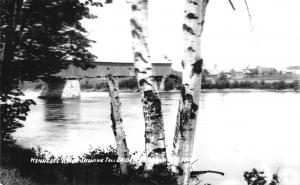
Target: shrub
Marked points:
295	85
128	83
74	173
101	85
169	84
12	176
86	85
279	85
262	84
256	177
207	85
235	84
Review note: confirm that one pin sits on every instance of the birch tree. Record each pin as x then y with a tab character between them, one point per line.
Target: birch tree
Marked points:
194	12
117	122
154	126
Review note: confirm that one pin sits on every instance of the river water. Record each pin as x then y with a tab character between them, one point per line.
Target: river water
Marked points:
236	131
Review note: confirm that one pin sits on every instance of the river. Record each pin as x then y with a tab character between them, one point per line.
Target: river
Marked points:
236	131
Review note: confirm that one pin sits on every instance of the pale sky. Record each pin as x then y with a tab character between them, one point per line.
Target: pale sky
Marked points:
227	41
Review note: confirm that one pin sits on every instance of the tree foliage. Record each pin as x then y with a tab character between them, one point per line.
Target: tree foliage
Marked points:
255	177
45	36
13	111
38	38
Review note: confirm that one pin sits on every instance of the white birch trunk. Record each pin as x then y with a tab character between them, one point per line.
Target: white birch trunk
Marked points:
117	123
194	11
2	53
154	126
1	59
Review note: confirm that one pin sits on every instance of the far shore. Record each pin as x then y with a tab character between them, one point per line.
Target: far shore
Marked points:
203	90
227	90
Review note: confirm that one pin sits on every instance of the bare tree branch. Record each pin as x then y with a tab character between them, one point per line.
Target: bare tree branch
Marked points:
196	173
232	6
250	17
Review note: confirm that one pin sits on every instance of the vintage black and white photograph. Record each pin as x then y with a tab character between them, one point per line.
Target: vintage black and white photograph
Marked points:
148	92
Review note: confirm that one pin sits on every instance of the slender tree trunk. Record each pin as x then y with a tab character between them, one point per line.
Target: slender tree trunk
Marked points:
2	55
154	125
194	11
117	122
13	8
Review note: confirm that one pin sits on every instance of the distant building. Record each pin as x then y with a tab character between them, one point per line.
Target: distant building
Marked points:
250	72
211	77
294	69
266	71
239	75
212	73
259	71
236	74
226	74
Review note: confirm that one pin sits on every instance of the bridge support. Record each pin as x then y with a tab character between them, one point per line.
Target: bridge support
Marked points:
60	89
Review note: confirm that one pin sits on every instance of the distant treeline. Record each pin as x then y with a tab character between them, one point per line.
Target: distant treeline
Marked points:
173	83
280	85
130	83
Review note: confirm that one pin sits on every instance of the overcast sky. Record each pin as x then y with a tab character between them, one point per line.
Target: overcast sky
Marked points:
227	41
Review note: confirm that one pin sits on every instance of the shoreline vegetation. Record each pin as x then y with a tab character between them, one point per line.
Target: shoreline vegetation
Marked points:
99	166
24	166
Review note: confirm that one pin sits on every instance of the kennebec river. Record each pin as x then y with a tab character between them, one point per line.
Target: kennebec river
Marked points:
236	130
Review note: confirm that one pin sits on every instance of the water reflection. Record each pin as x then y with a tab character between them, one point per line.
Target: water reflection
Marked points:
62	111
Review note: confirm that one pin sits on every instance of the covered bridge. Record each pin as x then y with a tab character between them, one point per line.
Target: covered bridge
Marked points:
65	84
117	69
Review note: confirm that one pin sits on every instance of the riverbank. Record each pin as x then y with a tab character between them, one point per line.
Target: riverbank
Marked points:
30	167
21	166
34	167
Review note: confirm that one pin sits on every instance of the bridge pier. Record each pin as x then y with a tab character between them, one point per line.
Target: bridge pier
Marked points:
58	88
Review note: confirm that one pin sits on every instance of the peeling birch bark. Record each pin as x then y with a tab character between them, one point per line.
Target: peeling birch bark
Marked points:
117	123
2	53
194	12
154	126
